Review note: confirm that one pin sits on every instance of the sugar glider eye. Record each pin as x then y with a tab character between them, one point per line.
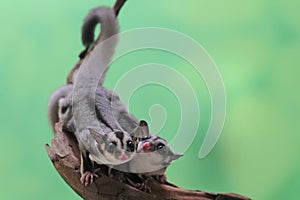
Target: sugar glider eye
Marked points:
130	146
113	143
160	146
64	109
145	138
111	146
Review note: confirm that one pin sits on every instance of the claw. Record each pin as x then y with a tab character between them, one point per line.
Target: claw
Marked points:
88	178
161	178
143	187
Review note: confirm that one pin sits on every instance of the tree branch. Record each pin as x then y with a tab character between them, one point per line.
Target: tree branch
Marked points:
64	155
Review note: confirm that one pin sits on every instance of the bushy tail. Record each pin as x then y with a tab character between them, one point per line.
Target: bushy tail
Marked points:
109	25
94	65
104	16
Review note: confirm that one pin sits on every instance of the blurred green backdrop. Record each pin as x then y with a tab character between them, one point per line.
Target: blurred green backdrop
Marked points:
255	45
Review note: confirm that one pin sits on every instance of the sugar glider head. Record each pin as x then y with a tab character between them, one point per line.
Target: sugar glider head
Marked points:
64	109
156	150
65	113
115	147
153	156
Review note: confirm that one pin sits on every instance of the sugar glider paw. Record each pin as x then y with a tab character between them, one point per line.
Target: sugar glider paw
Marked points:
161	178
88	178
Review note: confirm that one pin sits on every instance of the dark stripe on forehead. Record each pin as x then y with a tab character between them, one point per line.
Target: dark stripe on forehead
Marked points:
120	136
155	138
158	140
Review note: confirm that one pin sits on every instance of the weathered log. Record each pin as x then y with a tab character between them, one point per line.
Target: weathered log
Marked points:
64	154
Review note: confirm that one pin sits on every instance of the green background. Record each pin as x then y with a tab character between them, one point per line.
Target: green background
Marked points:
255	45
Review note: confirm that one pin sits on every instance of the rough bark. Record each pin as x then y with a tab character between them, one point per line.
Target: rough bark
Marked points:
64	154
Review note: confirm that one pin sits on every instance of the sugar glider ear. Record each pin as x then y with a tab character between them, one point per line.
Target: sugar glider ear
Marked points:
144	128
97	136
175	156
171	158
141	131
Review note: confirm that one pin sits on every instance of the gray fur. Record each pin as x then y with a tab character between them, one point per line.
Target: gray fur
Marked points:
106	18
111	113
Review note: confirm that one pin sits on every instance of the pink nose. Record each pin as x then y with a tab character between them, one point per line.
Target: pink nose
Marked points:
146	146
123	157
